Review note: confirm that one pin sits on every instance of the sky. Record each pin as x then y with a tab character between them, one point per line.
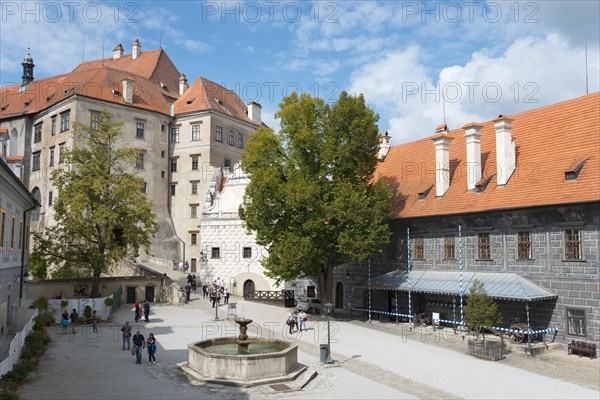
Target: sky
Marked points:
418	64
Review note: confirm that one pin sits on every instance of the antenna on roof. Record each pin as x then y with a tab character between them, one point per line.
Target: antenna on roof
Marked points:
586	71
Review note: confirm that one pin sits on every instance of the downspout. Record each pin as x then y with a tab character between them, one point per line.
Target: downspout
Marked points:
24	242
169	203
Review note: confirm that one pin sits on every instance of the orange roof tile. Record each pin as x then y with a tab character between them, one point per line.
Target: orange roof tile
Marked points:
207	95
548	141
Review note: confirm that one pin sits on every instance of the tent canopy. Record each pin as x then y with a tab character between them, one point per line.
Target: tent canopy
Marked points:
498	285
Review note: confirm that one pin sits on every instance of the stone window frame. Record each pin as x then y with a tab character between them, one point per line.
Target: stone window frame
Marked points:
195	132
173	164
61	152
576	322
247	252
51	156
65	120
449	247
173	189
193	238
175	134
194	188
37	133
231	137
572	246
215	252
139	161
94	120
524	246
484	246
240	143
218	133
195	162
139	129
36	159
418	247
53	125
193	211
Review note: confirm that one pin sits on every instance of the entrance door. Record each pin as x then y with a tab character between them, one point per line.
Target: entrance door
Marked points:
150	293
248	289
130	298
193	266
339	295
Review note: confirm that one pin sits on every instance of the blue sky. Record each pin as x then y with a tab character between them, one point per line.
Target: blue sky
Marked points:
410	59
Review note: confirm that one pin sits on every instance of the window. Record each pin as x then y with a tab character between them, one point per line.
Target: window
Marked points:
65	119
145	188
139	130
139	162
215	252
241	140
194	239
195	132
418	248
194	163
53	126
175	135
162	154
572	244
51	156
61	152
523	246
219	133
35	161
194	188
194	211
12	232
20	235
2	228
227	163
231	138
247	252
449	248
162	128
173	164
94	120
483	246
173	186
576	325
50	198
37	133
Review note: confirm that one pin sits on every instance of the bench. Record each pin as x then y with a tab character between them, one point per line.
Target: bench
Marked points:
583	349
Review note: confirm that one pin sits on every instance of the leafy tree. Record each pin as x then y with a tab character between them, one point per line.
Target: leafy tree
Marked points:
312	199
100	214
480	311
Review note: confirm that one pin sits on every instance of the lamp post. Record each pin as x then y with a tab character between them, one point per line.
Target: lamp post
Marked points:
328	311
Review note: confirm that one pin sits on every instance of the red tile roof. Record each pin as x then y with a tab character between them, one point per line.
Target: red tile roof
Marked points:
207	95
548	142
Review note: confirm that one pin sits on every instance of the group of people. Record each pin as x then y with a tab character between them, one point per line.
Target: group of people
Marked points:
296	320
73	318
142	307
215	291
139	343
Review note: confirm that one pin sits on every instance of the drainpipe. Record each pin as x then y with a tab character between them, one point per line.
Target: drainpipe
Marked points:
24	242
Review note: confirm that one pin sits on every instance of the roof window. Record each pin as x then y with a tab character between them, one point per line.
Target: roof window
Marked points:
4	107
574	169
116	92
425	192
482	184
50	97
28	102
68	91
189	101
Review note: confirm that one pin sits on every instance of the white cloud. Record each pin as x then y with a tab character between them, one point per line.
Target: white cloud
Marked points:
532	72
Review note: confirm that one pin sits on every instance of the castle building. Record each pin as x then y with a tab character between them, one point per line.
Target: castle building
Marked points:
184	133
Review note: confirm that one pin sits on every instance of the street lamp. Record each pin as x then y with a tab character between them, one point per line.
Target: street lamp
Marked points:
328	311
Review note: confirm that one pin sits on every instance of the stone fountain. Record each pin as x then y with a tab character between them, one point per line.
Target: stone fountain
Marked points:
243	361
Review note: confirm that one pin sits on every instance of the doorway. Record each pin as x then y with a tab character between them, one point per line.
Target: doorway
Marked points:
248	289
150	293
130	296
339	295
193	266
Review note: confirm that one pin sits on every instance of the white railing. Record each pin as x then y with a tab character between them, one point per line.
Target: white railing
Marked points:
16	345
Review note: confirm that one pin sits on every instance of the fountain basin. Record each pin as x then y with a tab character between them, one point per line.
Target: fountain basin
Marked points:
244	369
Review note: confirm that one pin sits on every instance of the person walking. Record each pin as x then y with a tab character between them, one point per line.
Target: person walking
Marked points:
193	283
290	321
126	329
204	291
151	345
226	296
74	316
302	318
187	289
64	323
138	345
138	315
94	328
146	307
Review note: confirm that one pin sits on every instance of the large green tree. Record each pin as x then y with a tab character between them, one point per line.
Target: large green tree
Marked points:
480	311
100	214
312	200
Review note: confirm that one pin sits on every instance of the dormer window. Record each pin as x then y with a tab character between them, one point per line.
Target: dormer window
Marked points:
189	102
27	102
4	107
162	85
68	91
425	192
482	184
50	97
116	92
573	171
219	101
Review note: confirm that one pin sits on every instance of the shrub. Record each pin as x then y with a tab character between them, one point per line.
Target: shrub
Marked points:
44	319
87	312
108	301
64	303
41	303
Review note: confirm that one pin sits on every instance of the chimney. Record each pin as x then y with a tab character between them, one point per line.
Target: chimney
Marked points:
136	50
505	149
183	84
472	138
128	90
384	144
118	51
442	141
254	112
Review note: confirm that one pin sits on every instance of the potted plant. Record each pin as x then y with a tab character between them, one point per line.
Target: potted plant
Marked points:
41	303
64	303
109	302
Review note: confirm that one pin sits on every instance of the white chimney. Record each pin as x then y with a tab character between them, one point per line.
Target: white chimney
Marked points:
384	144
136	50
118	51
183	84
254	112
442	160
128	90
505	150
472	137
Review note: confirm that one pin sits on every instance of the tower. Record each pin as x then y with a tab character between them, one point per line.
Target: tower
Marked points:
27	69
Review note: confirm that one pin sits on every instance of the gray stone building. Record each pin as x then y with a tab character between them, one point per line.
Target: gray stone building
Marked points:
525	192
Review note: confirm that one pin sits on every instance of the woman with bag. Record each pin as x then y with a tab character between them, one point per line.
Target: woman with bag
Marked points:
302	318
151	344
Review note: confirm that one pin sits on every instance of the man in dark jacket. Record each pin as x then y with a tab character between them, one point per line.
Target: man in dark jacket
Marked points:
146	307
138	344
74	316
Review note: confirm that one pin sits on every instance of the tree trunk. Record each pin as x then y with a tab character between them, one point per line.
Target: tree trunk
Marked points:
95	285
325	276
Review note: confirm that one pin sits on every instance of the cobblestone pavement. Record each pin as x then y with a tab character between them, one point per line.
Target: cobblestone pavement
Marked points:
372	360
